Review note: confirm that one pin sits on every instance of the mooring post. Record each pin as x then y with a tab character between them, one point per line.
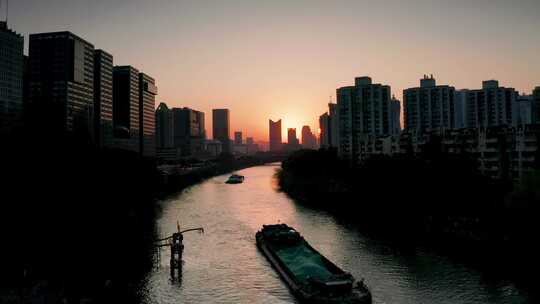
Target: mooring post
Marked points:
177	247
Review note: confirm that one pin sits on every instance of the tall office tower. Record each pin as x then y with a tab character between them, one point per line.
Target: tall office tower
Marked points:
292	140
395	116
324	127
62	83
275	135
460	103
126	106
103	98
237	138
364	111
11	80
429	107
188	130
333	114
164	127
147	119
536	106
221	128
490	106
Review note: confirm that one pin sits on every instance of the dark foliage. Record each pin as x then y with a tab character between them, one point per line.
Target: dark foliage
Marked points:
78	218
434	194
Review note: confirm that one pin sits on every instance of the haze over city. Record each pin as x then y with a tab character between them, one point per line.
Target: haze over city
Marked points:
285	59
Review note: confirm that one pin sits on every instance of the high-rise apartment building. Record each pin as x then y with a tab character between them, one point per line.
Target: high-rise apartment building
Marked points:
490	106
429	107
364	110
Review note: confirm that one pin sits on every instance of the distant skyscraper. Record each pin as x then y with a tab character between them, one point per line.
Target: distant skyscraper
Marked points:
164	127
147	118
238	138
364	110
126	105
275	136
221	128
188	130
429	107
536	106
309	141
395	115
103	98
62	82
11	80
291	136
490	106
249	140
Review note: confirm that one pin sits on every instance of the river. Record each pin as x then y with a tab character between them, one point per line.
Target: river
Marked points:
223	265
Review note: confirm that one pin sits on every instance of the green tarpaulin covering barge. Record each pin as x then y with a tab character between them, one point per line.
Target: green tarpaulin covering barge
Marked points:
311	277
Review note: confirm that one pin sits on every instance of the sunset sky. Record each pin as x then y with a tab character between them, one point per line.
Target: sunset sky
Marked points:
285	59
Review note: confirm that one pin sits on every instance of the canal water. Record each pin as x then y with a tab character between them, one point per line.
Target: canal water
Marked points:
223	265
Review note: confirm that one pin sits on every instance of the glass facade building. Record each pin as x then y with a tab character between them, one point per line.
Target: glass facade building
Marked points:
62	82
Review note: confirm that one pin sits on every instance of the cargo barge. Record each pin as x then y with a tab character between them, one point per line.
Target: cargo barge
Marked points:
311	277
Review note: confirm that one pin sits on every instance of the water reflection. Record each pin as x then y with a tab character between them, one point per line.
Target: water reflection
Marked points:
224	266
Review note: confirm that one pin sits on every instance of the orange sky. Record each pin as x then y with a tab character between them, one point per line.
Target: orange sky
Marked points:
284	59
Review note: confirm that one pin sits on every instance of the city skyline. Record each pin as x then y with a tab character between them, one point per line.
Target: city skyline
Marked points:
305	141
238	56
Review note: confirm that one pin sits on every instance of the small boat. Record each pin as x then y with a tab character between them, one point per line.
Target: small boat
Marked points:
235	179
311	277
